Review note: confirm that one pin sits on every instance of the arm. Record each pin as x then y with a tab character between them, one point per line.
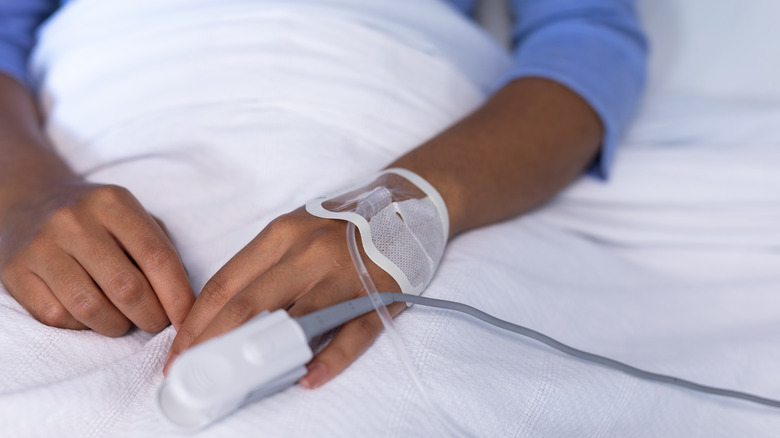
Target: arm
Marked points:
74	254
534	136
595	48
529	140
511	155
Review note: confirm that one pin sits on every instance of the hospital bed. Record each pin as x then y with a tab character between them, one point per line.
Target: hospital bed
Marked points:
673	266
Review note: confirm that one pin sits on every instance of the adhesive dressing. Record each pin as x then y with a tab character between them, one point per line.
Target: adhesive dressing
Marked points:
402	220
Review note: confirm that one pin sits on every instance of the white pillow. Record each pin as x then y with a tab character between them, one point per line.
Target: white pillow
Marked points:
715	48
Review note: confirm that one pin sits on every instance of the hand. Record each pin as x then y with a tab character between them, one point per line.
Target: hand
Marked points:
301	263
79	255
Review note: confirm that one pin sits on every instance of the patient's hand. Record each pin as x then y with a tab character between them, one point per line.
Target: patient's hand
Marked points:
74	254
511	155
79	255
300	262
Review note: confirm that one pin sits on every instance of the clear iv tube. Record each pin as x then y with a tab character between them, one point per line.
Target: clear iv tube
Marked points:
387	321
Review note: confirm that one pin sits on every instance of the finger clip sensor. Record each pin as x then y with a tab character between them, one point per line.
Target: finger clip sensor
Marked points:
211	380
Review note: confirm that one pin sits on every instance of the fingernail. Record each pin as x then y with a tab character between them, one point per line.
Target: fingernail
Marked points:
316	377
168	361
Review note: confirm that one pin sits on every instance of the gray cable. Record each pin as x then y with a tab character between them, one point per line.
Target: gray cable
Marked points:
319	322
601	360
323	320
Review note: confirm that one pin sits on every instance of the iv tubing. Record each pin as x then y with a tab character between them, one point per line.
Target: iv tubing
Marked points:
387	322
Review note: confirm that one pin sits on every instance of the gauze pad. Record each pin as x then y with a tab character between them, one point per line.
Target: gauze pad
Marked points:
402	220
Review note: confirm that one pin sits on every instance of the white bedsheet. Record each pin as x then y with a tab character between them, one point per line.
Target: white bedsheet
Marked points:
673	267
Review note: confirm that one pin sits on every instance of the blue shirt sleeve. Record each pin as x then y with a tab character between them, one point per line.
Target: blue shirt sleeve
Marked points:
19	20
594	47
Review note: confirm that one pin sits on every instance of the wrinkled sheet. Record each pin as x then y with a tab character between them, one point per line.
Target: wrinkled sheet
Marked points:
239	114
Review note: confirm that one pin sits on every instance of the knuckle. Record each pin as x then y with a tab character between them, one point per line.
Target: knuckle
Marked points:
156	256
65	216
64	223
40	242
215	292
126	287
288	224
156	325
110	193
86	306
39	251
53	314
184	338
282	225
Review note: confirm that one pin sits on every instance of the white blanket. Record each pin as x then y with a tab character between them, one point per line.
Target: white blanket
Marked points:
239	113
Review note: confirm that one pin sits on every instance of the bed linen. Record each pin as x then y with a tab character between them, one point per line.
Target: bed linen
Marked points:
674	266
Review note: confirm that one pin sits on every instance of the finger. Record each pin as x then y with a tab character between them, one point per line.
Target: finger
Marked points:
167	233
253	261
162	226
263	252
153	252
349	343
278	288
326	293
220	307
236	310
76	290
123	284
34	295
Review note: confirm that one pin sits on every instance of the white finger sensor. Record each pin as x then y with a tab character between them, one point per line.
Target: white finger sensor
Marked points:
208	381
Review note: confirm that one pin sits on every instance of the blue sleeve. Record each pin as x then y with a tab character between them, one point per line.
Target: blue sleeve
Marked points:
19	20
594	47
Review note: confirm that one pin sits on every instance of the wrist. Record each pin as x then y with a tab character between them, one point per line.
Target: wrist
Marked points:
33	181
448	185
30	170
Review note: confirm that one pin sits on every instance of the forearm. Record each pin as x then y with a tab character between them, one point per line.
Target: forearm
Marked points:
27	162
525	144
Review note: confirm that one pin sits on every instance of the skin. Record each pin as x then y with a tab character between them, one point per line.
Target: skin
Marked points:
75	254
525	144
69	249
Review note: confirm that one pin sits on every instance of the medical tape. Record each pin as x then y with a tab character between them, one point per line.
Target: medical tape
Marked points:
403	231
